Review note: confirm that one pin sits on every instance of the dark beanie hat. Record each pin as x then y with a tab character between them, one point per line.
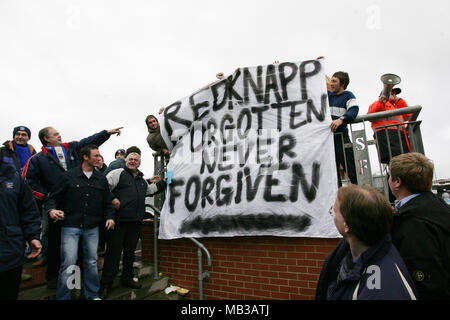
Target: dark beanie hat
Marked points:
22	128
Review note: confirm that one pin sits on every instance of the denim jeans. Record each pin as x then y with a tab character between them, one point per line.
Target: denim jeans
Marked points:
69	251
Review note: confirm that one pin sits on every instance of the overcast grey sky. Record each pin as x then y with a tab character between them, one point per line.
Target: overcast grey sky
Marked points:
83	66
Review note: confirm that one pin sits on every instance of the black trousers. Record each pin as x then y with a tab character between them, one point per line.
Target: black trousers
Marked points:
391	143
346	157
10	283
124	237
53	250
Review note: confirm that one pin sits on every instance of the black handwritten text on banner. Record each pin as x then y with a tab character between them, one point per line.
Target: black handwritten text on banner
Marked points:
252	154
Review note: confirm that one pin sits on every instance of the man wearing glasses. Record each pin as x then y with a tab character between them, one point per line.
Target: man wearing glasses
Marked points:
16	152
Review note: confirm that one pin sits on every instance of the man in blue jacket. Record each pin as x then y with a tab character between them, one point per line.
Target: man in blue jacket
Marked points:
44	170
19	223
82	201
365	265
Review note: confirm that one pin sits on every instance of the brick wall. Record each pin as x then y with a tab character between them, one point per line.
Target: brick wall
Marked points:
243	268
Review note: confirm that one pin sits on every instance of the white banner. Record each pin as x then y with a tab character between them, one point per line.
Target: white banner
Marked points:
252	155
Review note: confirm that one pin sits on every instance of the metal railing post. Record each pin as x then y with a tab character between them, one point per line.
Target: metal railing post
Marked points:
156	212
201	274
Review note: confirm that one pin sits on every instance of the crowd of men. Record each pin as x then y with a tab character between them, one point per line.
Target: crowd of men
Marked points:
66	204
64	197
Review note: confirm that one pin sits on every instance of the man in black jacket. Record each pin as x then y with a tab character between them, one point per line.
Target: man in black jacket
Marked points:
421	230
130	189
84	202
19	223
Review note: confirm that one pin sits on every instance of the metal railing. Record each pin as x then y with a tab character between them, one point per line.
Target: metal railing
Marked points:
361	144
202	274
156	213
160	165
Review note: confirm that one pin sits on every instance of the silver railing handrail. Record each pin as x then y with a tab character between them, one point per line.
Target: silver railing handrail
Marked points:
155	240
202	275
414	110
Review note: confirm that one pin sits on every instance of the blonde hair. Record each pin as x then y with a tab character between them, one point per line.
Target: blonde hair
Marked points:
415	171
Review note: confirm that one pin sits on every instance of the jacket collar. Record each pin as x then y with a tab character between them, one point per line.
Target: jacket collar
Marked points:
45	150
368	257
150	130
48	154
435	214
139	174
79	172
9	144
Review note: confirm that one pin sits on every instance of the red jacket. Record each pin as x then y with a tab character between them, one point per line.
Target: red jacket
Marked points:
378	106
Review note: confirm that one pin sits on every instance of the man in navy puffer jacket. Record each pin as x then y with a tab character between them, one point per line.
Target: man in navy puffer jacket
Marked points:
20	222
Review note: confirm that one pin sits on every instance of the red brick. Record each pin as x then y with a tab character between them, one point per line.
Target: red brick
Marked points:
252	260
288	275
252	285
269	274
262	294
277	254
270	287
316	256
298	297
280	282
325	249
227	264
269	260
299	283
258	266
308	292
308	277
235	271
305	248
311	263
297	269
245	267
295	255
236	284
245	292
229	289
235	258
287	262
251	272
260	280
288	289
280	295
227	276
278	267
